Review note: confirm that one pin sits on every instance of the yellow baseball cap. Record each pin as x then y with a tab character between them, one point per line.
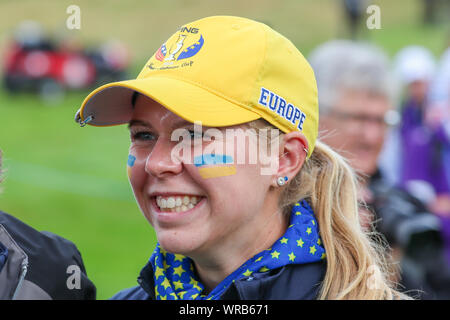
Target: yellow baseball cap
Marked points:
222	71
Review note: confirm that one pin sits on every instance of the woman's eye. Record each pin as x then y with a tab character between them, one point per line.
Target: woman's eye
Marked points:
142	136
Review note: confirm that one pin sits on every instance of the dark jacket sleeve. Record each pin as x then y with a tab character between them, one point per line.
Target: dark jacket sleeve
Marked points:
54	266
134	293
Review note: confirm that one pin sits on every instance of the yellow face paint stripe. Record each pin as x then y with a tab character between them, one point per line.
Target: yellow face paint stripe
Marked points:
217	171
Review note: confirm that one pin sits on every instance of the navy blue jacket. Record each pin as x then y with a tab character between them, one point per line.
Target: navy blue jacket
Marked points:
39	265
291	282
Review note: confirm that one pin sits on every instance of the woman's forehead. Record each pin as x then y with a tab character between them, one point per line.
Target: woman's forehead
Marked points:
151	113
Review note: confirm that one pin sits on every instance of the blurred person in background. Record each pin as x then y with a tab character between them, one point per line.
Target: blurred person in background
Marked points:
356	97
422	131
438	118
354	11
435	11
39	265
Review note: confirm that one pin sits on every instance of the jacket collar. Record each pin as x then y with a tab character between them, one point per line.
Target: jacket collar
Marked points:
291	282
146	280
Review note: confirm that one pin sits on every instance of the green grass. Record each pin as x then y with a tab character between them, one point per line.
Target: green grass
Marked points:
143	25
72	180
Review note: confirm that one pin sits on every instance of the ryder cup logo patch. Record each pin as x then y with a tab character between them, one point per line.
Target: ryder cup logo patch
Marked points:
282	107
185	45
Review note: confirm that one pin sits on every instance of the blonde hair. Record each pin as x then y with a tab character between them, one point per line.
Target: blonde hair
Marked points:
357	266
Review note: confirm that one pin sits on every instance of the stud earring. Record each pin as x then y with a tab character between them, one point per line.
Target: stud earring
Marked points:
282	181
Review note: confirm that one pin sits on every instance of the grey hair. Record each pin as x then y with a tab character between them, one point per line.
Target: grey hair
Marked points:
346	65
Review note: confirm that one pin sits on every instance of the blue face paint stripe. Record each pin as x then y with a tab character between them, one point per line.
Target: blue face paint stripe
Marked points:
131	160
212	159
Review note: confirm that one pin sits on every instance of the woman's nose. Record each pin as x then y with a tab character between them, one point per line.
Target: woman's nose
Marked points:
160	162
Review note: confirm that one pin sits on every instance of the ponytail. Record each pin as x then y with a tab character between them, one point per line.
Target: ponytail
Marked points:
357	267
357	264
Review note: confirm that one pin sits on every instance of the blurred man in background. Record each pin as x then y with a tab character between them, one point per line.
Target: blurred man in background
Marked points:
356	96
39	265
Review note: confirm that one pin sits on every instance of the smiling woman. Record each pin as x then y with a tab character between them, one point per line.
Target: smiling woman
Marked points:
238	232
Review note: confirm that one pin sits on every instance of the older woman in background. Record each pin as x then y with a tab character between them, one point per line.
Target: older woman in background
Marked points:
357	95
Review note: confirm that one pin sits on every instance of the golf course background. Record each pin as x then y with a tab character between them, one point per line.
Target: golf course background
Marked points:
72	181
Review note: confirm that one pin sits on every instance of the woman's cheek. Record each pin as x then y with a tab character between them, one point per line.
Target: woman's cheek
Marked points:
136	168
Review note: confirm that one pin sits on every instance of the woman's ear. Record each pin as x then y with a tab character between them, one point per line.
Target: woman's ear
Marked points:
293	153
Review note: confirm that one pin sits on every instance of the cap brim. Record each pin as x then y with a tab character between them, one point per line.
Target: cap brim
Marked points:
111	104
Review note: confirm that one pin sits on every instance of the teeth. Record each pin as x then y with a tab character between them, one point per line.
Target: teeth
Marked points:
177	204
171	203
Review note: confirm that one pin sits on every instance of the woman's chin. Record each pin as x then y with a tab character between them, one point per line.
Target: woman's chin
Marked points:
174	243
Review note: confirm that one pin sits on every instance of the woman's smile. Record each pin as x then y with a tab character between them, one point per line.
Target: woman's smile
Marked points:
172	208
179	203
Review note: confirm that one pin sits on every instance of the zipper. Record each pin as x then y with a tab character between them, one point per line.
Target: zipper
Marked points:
23	272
